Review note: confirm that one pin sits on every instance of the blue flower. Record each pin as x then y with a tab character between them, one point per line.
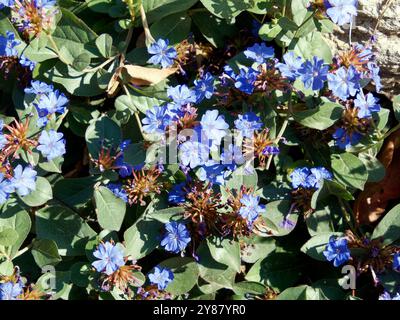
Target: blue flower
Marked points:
337	251
299	177
213	172
50	103
45	3
374	74
118	191
344	82
214	126
161	277
162	53
386	296
250	209
124	169
24	180
366	104
177	194
5	189
156	120
38	88
53	102
181	95
10	290
204	87
8	44
24	61
342	11
313	74
51	144
271	150
248	123
110	256
176	237
245	80
193	153
317	176
259	52
290	69
6	3
345	140
3	141
228	71
396	262
125	144
232	156
255	28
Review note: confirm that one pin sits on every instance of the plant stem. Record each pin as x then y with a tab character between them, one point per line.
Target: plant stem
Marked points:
53	43
136	113
95	69
283	128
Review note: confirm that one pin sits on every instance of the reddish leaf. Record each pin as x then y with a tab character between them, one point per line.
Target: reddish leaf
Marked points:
372	202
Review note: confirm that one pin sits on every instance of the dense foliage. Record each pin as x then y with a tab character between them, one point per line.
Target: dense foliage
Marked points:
185	149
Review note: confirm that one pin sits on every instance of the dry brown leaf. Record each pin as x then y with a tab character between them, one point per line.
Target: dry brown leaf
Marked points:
372	202
114	83
143	76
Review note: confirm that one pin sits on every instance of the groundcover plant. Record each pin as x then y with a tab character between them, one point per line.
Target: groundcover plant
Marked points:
185	149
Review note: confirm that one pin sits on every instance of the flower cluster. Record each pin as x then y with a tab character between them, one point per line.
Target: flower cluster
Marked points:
14	288
32	16
11	63
112	267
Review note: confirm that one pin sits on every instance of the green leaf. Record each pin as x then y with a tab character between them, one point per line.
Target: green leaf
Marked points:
168	214
249	287
178	28
41	195
376	170
72	33
396	107
317	244
389	227
8	237
81	62
102	133
158	9
226	9
104	44
312	45
6	25
75	192
274	215
185	272
216	274
321	219
279	270
16	218
329	188
142	238
349	170
124	102
80	272
320	118
225	251
75	82
45	252
255	248
135	154
65	227
6	268
110	209
215	30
